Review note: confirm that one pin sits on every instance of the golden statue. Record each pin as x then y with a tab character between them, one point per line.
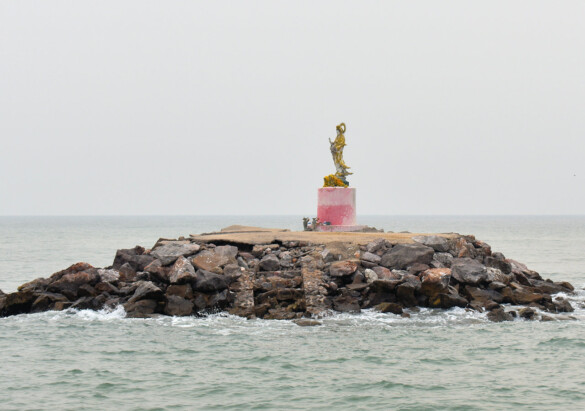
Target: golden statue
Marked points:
341	169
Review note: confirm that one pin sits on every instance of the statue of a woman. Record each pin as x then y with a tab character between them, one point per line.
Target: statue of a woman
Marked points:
341	169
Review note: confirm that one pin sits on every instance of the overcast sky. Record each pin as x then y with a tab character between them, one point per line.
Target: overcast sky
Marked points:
184	107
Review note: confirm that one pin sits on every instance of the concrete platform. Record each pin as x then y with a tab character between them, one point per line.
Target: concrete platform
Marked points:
258	235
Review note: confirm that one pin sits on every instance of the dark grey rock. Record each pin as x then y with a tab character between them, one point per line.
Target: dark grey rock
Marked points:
182	272
468	271
270	262
135	257
401	256
209	282
499	315
437	243
178	306
168	253
372	258
146	290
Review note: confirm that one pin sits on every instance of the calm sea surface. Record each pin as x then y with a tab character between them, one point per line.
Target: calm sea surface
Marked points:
434	360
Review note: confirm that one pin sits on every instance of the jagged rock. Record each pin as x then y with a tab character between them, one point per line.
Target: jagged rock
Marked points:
562	305
105	287
372	258
146	290
182	272
69	284
212	301
141	308
342	268
72	269
437	243
502	265
281	314
525	297
445	259
211	260
209	282
499	315
379	244
38	285
483	296
468	271
550	287
497	286
168	253
435	281
270	262
135	257
243	288
286	259
178	306
447	301
108	275
497	275
401	256
389	308
89	303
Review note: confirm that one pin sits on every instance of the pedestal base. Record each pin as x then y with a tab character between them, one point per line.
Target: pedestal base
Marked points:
340	228
336	205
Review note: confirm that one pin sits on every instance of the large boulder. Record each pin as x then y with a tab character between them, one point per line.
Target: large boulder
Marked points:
209	282
16	303
346	303
499	315
141	308
182	272
135	257
401	256
169	252
46	301
147	290
468	271
437	243
482	297
435	281
213	260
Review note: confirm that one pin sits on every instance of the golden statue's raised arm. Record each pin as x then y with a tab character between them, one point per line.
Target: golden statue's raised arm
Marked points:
341	169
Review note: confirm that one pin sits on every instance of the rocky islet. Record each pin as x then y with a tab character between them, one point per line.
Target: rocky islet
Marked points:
300	280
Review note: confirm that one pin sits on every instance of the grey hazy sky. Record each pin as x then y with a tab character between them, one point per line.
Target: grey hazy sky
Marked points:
184	107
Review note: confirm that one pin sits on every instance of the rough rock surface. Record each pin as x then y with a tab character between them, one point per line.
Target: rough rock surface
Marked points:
289	277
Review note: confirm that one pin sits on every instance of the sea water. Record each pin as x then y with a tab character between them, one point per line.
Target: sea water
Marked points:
436	359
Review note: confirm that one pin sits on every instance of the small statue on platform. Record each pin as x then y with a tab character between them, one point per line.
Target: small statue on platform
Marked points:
341	169
306	223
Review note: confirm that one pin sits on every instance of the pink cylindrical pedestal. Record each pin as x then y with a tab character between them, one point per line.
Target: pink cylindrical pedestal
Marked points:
336	205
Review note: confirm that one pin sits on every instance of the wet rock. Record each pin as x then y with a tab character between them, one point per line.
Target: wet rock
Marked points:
17	303
135	257
182	272
402	256
168	253
178	306
88	303
147	290
342	268
314	286
437	243
346	303
69	284
546	287
212	302
527	313
499	315
447	301
525	297
483	296
270	262
468	271
141	308
435	281
405	294
305	322
393	308
563	305
280	314
46	301
209	282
